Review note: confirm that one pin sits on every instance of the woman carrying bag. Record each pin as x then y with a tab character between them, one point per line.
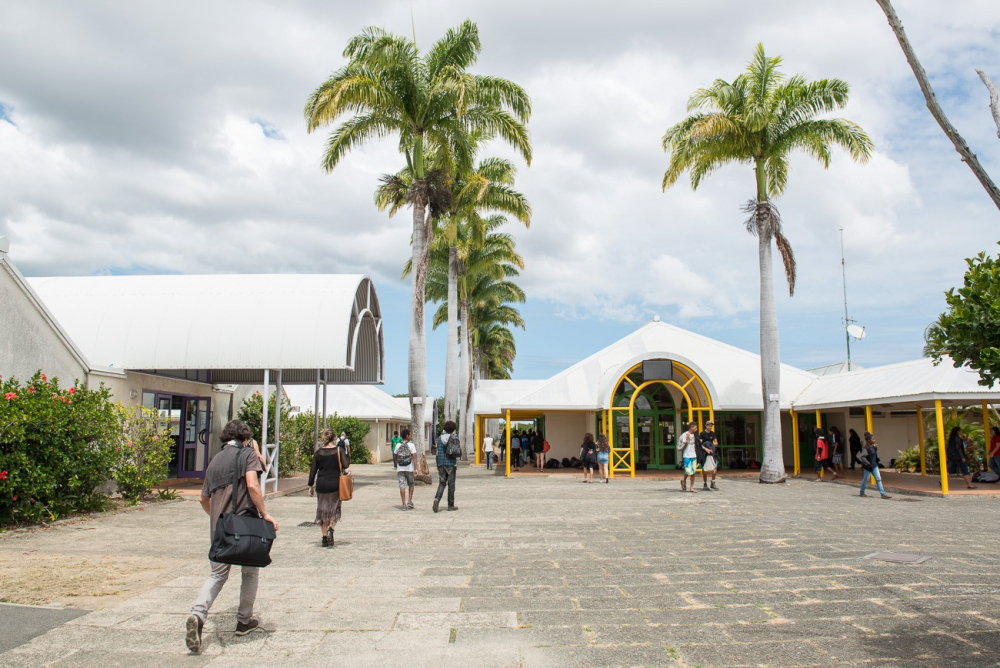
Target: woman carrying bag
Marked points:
329	463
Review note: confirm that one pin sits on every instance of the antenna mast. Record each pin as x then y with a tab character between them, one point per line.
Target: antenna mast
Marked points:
847	320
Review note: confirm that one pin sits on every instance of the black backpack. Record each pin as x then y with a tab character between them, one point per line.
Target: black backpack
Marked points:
453	448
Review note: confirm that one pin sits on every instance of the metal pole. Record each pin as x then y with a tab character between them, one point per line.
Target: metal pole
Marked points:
316	415
263	423
324	398
920	437
847	321
277	429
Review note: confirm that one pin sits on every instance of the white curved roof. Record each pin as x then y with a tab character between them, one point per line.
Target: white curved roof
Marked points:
232	326
731	374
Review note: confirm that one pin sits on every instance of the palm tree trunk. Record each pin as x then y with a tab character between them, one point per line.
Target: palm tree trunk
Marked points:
773	465
451	360
462	387
417	365
468	427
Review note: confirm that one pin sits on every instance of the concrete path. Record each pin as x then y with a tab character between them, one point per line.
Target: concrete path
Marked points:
551	572
21	623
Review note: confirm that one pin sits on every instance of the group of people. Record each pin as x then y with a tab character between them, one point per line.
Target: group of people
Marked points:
699	450
446	451
527	445
595	455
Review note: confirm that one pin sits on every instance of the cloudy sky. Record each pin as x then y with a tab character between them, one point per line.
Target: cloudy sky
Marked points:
168	137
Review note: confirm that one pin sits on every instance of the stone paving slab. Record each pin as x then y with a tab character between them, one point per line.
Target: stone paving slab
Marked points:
542	572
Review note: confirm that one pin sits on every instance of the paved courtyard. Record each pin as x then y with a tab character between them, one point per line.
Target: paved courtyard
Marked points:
549	572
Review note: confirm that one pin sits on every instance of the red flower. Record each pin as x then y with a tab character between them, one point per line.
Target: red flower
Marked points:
45	378
10	395
15	497
72	390
31	390
3	475
70	401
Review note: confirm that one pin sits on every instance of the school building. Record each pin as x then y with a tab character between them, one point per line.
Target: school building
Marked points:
642	389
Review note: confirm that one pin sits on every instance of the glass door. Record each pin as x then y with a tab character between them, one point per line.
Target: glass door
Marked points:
195	437
168	409
666	442
644	440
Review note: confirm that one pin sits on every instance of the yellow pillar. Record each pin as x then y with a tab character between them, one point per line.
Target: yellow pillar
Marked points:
923	441
479	441
819	425
507	451
986	435
942	457
868	420
701	424
795	442
631	438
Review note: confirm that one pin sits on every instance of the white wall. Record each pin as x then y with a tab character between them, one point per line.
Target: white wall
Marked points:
564	432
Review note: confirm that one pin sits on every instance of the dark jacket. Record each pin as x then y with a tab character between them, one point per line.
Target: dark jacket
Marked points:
327	466
956	450
871	452
855	442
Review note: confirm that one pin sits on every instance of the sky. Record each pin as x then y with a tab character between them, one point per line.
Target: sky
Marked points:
150	138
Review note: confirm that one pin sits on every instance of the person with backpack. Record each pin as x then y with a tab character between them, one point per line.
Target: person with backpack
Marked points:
396	440
687	444
956	455
406	455
488	451
448	449
868	458
822	456
855	442
217	496
604	456
588	455
708	455
329	463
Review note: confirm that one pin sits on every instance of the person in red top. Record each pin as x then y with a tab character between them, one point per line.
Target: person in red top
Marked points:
994	460
823	458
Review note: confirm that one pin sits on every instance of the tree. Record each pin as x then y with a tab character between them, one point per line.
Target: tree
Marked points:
387	88
759	119
969	330
968	157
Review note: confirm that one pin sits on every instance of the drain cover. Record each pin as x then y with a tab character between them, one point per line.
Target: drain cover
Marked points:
776	520
898	557
910	500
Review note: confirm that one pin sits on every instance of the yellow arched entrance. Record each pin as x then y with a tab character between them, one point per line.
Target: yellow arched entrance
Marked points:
692	388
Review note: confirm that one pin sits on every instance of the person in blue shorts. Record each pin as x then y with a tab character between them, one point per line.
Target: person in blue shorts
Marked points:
688	444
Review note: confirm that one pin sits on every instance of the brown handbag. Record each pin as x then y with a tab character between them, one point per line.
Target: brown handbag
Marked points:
346	487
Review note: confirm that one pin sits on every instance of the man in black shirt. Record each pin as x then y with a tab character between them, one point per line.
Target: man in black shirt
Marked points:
708	446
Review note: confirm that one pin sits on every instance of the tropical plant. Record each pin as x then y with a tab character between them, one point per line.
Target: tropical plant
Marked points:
429	102
144	453
969	331
758	119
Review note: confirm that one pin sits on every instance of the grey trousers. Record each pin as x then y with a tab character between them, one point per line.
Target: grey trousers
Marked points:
213	585
446	479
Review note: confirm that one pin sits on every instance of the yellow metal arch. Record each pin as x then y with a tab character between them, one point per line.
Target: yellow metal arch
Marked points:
623	459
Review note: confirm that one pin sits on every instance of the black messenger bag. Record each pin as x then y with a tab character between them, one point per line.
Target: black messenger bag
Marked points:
242	540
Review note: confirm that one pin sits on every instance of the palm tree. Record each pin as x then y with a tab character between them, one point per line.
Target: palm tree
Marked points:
758	120
429	102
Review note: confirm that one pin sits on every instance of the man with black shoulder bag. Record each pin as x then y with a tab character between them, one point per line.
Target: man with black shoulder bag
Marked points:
232	498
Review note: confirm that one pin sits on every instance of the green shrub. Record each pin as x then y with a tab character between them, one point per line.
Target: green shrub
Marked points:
143	454
295	453
356	431
909	460
57	447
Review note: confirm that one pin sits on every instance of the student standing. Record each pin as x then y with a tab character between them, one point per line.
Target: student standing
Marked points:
538	449
515	450
396	440
994	456
446	465
855	442
216	498
329	463
406	455
870	454
488	451
837	449
688	445
708	455
956	455
588	455
604	456
822	456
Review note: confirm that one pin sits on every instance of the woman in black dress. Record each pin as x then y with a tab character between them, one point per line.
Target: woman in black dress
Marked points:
588	454
329	462
538	449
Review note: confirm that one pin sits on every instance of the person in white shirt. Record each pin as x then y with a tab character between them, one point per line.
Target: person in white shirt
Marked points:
405	468
488	451
688	444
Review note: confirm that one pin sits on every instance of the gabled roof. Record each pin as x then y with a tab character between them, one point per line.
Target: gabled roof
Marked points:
233	326
493	396
365	402
917	381
732	375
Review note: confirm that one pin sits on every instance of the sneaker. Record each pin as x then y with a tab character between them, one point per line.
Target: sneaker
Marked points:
243	629
452	507
605	481
409	504
862	494
403	508
714	487
193	636
437	502
705	487
886	496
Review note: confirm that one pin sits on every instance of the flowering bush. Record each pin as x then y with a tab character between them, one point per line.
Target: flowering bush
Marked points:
143	453
56	448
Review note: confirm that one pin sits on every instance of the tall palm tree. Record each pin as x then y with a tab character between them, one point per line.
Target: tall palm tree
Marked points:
431	101
759	119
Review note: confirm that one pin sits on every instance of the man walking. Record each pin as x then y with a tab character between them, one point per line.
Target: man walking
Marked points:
396	440
488	451
446	465
708	455
405	455
688	445
217	498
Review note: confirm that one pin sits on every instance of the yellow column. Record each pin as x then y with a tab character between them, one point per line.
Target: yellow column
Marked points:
923	441
868	420
942	458
795	442
986	435
631	438
477	434
507	452
819	425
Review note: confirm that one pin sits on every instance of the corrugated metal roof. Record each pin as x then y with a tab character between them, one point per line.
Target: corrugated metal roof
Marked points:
731	374
365	402
916	381
235	325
